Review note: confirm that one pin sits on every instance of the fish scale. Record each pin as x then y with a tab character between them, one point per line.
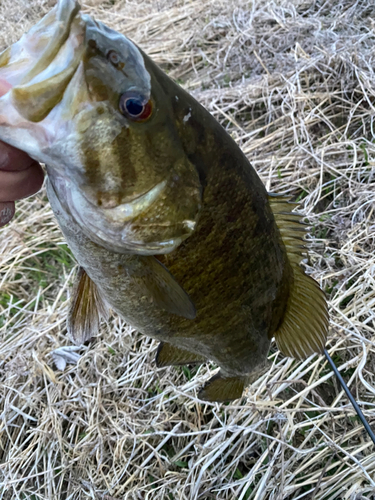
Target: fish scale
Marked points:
170	224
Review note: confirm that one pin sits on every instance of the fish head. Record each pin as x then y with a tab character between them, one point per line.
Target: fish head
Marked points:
83	102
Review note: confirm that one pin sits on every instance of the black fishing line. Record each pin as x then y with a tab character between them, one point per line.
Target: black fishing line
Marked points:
350	396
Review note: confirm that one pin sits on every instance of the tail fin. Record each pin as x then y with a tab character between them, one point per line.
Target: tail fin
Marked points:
305	324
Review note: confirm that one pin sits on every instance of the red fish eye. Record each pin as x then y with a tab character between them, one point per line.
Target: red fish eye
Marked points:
135	107
113	57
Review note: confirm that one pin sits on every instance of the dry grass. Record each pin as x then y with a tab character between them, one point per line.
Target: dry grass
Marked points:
294	83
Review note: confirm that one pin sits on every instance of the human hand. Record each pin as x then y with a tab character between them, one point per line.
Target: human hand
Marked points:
20	175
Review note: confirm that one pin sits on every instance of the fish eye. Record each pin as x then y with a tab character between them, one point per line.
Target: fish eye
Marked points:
113	57
135	106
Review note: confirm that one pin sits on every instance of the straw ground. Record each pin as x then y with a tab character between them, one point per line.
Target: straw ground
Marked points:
294	83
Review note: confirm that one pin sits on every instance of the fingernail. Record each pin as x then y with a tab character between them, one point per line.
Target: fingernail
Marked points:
6	212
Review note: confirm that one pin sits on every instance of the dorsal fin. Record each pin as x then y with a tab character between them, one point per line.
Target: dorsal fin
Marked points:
305	324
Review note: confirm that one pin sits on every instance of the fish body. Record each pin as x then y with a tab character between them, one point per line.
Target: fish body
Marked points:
170	224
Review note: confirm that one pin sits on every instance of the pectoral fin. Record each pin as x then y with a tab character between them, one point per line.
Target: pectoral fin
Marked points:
222	389
86	309
169	355
162	288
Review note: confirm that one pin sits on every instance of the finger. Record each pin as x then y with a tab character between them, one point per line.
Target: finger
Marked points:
13	159
10	157
20	184
6	212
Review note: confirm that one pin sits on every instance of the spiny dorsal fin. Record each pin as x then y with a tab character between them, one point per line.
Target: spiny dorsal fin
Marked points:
305	324
170	355
86	308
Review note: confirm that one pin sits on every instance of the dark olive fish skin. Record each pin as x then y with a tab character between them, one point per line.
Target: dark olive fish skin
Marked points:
170	224
233	267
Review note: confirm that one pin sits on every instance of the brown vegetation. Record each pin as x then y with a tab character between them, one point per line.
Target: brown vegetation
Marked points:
294	83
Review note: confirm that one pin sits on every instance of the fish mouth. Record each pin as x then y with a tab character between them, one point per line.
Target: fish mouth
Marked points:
39	70
41	64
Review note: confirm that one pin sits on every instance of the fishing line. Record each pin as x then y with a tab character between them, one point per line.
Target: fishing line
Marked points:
350	396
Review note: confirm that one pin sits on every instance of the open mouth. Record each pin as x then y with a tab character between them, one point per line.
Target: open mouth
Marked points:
36	72
40	65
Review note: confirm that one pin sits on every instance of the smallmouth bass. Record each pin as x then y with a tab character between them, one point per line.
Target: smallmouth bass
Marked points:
171	226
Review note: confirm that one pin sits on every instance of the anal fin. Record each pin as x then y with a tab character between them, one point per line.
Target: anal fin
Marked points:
86	308
222	389
304	328
169	355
